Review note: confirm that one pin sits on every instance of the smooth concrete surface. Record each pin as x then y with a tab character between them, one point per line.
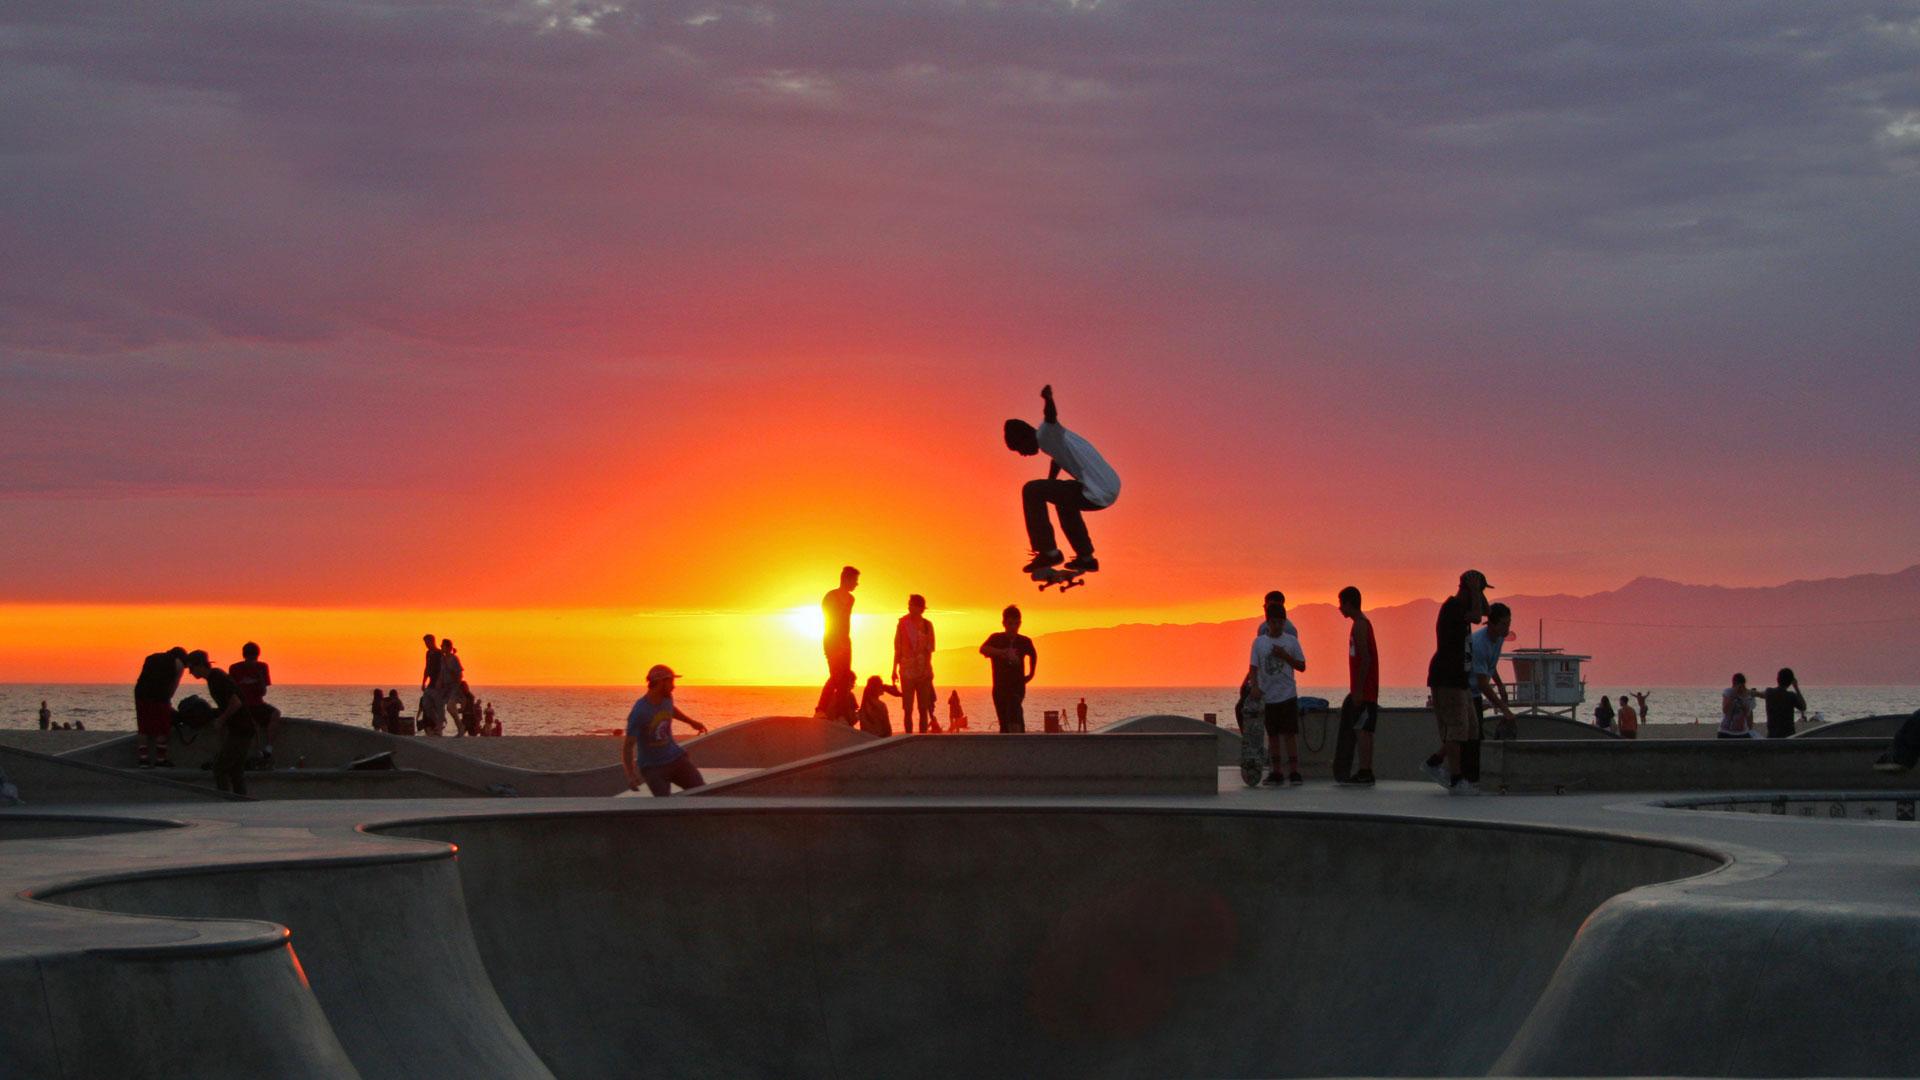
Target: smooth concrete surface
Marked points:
1025	764
1227	739
327	747
1684	765
58	779
1880	728
1247	932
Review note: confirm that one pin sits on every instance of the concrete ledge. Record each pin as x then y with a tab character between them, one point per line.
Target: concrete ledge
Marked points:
1030	764
1684	765
1880	727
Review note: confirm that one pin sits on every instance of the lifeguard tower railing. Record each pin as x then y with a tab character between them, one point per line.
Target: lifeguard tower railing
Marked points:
1546	679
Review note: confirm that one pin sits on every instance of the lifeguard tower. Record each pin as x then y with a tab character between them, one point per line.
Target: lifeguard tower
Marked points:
1547	681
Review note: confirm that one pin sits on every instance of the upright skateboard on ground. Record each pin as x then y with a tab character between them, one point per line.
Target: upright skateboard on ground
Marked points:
1251	714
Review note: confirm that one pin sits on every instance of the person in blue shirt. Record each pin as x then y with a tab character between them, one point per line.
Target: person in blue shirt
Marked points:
663	763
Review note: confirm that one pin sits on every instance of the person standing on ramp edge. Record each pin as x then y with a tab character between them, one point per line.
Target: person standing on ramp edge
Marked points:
1091	485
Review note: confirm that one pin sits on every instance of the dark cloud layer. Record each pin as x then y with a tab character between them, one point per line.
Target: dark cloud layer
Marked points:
1655	201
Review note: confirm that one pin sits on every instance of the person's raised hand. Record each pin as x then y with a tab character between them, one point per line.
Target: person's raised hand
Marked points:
1047	391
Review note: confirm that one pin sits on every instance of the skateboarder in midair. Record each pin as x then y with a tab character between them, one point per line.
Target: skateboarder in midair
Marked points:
1091	485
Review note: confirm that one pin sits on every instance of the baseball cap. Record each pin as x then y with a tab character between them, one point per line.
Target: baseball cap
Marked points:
1476	575
660	671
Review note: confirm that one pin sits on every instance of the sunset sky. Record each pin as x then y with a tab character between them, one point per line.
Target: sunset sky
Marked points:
595	334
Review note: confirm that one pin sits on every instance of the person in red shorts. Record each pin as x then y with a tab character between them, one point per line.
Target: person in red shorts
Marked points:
153	704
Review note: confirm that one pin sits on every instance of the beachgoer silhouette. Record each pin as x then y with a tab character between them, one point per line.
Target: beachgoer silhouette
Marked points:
432	707
913	665
841	706
46	716
1783	699
956	717
395	711
836	639
663	763
1628	719
1080	711
379	710
1603	714
1736	710
1014	662
1641	700
153	704
1449	678
1092	485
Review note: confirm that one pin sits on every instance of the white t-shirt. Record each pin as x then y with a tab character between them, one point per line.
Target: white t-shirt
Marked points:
1276	675
1082	462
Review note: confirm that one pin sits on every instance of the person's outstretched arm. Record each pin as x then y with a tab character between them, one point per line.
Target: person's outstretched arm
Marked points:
1049	414
626	762
689	721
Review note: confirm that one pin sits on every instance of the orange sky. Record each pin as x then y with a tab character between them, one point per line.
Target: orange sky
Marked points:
600	342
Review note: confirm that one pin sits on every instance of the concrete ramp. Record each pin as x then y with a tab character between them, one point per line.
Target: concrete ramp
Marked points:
1227	739
765	741
1880	728
43	778
1030	764
1685	765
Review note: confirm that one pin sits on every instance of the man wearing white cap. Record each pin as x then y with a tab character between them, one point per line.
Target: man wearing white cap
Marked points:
663	763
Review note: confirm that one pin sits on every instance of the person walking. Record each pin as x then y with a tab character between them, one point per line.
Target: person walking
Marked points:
153	705
662	762
1360	712
1013	661
252	678
1273	660
432	709
1080	714
237	724
1091	485
1448	680
1603	714
46	715
1783	700
1629	719
913	665
836	638
1736	710
451	684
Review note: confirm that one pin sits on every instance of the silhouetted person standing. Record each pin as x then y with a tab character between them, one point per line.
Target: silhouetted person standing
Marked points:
1448	679
913	665
432	708
153	704
1360	712
1080	713
1091	485
1783	699
836	639
1011	656
46	716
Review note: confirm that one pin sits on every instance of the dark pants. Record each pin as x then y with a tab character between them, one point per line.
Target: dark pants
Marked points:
661	778
1070	499
1906	742
1008	705
1354	717
1470	750
839	668
918	691
230	766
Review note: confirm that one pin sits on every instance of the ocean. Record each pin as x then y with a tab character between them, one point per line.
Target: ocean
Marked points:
582	710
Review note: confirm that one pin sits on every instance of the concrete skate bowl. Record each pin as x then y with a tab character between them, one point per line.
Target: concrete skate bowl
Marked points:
25	825
1169	724
941	942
